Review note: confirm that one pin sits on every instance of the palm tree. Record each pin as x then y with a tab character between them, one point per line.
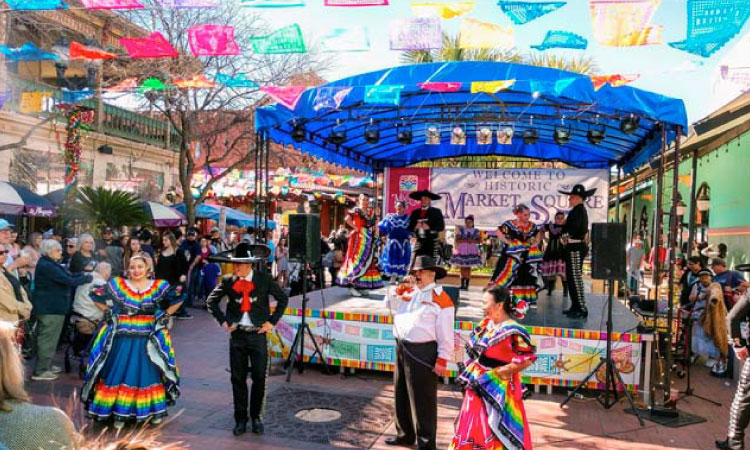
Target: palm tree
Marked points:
104	207
582	64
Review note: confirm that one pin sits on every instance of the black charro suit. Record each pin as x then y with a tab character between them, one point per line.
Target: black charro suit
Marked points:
245	343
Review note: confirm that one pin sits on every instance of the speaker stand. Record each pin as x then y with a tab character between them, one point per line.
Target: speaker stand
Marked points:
298	345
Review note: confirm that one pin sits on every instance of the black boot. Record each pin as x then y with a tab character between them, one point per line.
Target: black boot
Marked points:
726	444
258	427
239	428
468	280
550	286
565	288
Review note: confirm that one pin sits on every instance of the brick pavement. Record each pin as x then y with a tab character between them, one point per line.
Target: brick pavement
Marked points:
202	417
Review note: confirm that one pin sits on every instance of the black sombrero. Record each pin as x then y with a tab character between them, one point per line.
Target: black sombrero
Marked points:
243	253
426	263
580	191
417	195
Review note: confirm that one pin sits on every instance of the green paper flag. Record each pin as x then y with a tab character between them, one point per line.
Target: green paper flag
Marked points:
284	40
152	84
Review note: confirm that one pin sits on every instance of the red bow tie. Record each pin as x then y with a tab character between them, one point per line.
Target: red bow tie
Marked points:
244	287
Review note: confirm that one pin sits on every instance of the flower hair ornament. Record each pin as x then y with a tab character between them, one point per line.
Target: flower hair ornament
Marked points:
518	307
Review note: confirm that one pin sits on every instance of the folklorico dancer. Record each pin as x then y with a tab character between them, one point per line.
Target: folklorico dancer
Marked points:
739	413
553	261
517	267
466	254
492	415
248	319
423	316
576	248
360	268
426	222
396	254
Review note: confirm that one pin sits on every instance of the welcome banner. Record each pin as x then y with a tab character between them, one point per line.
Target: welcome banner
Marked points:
491	194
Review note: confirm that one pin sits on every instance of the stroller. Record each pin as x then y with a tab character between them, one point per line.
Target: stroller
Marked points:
81	332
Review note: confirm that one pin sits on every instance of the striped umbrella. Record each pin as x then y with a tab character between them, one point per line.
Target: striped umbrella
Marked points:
163	216
17	200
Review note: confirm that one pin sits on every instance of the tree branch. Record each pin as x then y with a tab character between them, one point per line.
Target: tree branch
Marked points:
25	137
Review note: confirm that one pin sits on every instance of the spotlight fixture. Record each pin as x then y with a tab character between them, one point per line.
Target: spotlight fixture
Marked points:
433	135
562	133
597	134
530	136
338	135
403	135
458	136
505	136
629	125
372	133
484	136
298	132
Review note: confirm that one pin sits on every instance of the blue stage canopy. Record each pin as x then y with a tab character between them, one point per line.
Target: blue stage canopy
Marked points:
541	98
234	217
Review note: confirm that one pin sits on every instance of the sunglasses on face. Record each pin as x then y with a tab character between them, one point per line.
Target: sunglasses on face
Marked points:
2	252
71	246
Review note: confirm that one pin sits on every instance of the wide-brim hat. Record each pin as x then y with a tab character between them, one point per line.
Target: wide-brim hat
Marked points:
580	191
426	263
243	253
417	195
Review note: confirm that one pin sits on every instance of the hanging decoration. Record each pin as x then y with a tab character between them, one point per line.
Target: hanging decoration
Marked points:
189	3
213	40
445	10
625	23
286	95
76	96
711	24
111	4
33	102
152	84
440	86
27	52
78	118
614	80
737	75
491	87
562	39
153	46
272	3
284	40
478	35
128	84
554	88
383	94
196	82
524	12
346	39
420	33
330	97
238	81
80	51
356	3
35	5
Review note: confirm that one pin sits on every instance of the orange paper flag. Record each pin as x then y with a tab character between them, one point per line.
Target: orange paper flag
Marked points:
197	82
686	179
615	80
80	51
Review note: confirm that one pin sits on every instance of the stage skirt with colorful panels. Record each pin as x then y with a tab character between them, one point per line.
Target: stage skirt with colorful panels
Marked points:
492	414
132	375
466	250
518	265
396	254
360	268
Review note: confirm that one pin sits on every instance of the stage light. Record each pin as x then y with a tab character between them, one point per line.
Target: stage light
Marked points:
597	134
530	136
298	132
458	136
404	134
338	135
372	133
433	136
505	136
484	136
629	125
562	133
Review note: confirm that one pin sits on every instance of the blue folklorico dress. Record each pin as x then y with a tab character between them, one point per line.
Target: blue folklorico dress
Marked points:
394	260
132	374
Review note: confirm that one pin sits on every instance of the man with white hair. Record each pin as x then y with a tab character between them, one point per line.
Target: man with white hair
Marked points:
82	303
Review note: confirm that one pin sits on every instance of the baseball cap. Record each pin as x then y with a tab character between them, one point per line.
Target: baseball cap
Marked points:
5	224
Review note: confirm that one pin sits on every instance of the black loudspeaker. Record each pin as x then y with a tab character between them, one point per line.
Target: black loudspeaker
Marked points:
304	238
608	241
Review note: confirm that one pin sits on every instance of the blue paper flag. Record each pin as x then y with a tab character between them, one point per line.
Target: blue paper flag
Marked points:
383	94
240	81
711	24
330	97
553	88
562	39
36	5
27	52
524	12
76	96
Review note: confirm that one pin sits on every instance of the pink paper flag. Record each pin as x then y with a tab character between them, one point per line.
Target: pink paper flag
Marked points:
189	3
356	3
213	40
112	4
440	86
286	95
153	46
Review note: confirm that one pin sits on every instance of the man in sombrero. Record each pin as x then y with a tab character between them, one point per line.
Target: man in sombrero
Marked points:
576	248
426	222
248	320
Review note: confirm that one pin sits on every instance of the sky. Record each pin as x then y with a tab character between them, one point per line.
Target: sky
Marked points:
662	69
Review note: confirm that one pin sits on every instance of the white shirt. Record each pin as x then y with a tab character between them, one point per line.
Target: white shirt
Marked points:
245	320
425	318
82	303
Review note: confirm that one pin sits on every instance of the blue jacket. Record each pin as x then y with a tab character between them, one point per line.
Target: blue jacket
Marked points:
53	286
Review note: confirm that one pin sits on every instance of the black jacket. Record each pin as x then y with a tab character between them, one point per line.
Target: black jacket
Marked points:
577	222
52	287
434	218
260	308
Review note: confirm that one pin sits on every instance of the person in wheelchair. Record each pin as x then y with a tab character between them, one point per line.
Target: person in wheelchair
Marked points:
86	315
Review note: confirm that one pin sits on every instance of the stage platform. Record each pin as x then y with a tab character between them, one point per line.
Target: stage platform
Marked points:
356	332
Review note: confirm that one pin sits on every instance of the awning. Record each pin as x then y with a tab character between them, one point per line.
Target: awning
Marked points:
234	217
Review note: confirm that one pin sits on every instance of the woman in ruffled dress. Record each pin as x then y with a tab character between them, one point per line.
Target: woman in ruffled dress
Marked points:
553	262
492	414
360	268
466	253
396	254
132	375
517	267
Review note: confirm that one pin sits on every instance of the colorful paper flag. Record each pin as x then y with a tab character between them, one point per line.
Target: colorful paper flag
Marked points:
4	96
189	3
346	39
356	3
32	102
272	3
445	10
80	51
286	95
440	86
330	97
152	84
615	80
383	94
196	82
478	35
284	40
153	46
128	84
76	96
35	5
420	33
491	87
625	23
238	81
562	39
111	4
736	75
27	52
711	24
524	12
213	40
551	87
